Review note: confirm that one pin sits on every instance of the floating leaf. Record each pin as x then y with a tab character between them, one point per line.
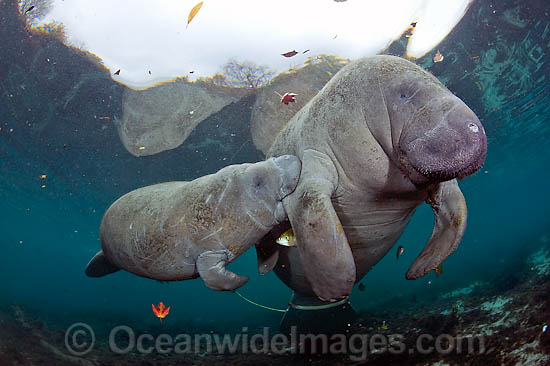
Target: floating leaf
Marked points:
193	12
161	310
288	98
289	54
438	57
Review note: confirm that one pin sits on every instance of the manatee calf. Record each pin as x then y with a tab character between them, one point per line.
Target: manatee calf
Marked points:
181	230
382	137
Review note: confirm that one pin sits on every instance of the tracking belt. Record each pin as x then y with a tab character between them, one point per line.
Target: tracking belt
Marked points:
319	307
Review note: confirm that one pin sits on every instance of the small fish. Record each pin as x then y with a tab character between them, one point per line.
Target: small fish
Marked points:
29	9
287	239
289	54
43	176
413	24
192	72
117	72
288	98
149	72
438	270
361	287
438	57
161	311
400	250
193	12
106	118
474	57
306	51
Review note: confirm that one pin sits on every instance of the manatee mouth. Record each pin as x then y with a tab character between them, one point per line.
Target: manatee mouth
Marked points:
447	152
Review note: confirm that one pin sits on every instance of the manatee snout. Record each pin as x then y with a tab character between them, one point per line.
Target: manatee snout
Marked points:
290	168
454	147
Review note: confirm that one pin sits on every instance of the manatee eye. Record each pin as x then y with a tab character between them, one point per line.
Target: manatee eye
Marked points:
407	91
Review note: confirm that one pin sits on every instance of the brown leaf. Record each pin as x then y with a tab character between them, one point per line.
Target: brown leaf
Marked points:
193	12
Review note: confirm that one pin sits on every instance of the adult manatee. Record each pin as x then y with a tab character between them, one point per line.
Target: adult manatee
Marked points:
382	137
181	230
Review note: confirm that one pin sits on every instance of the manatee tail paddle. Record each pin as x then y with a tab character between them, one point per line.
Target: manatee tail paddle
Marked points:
100	266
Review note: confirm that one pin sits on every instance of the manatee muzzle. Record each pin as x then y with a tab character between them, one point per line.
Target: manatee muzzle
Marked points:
454	148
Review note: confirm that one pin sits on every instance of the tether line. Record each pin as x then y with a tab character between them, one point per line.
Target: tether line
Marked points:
259	305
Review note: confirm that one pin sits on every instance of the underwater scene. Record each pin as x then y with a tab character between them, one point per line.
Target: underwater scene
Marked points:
321	182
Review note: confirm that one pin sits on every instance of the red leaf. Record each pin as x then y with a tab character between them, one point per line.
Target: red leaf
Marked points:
160	310
289	54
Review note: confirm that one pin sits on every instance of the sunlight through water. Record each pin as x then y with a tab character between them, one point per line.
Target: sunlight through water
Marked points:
151	42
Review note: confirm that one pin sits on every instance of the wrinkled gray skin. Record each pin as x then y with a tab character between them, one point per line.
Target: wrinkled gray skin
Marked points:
181	230
382	137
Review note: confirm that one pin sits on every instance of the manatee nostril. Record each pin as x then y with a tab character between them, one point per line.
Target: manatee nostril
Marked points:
473	127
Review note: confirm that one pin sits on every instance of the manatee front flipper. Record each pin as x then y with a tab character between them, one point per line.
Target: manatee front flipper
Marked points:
449	208
211	267
268	254
100	266
324	250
